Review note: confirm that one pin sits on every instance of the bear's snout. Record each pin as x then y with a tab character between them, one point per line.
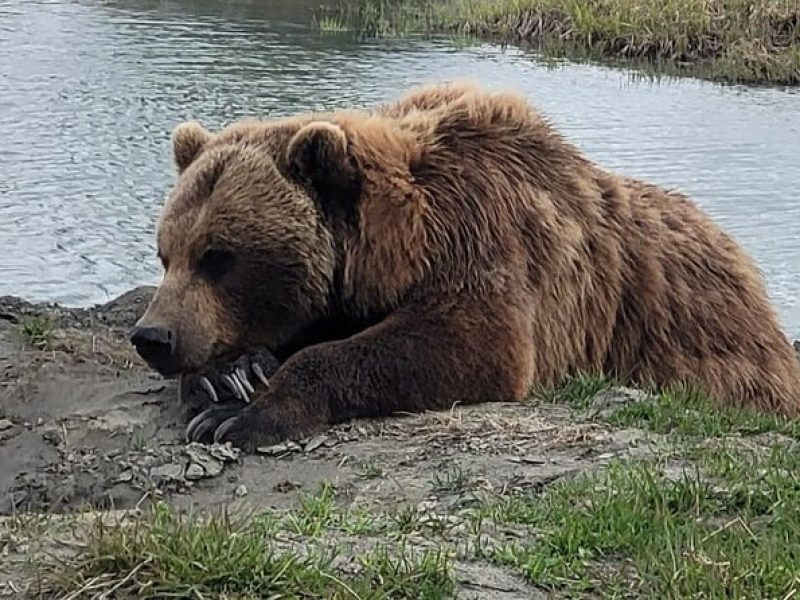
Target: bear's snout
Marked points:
156	345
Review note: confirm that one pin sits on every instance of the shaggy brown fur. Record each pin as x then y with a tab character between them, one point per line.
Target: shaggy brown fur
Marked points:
466	251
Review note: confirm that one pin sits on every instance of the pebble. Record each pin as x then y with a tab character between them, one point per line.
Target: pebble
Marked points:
241	491
273	450
5	424
315	443
168	471
195	471
125	477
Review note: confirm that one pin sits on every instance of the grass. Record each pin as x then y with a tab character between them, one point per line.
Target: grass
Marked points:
740	41
38	331
687	412
370	470
578	391
630	531
451	481
172	555
679	409
715	513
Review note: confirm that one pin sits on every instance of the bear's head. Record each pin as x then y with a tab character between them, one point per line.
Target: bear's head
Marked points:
247	253
254	236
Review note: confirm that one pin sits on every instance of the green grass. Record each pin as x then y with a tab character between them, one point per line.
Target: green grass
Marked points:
451	481
679	409
170	555
629	531
688	412
577	391
740	41
370	470
37	331
713	514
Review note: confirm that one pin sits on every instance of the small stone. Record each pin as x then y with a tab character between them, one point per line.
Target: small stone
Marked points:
315	443
609	400
194	472
125	477
273	450
40	421
167	472
208	461
5	424
225	453
285	486
241	491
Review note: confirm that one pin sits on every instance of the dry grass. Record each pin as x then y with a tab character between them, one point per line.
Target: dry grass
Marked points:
743	41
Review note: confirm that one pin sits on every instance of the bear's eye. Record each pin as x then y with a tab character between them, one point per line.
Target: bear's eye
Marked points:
215	262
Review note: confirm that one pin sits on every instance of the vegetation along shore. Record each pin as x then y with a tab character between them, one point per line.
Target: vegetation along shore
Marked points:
735	41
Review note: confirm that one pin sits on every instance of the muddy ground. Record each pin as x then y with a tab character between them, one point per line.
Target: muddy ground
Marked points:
84	425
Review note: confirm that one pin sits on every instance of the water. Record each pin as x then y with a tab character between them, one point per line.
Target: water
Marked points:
90	91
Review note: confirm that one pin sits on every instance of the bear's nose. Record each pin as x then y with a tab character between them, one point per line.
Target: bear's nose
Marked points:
154	344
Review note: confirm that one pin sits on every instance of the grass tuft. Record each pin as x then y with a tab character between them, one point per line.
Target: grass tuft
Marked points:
451	480
577	391
170	555
38	331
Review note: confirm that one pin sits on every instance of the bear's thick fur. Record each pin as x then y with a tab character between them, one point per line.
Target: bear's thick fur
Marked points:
448	247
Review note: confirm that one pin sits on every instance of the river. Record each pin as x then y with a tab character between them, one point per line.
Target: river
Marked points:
90	91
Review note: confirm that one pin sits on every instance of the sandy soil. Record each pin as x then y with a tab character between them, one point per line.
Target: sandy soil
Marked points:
84	425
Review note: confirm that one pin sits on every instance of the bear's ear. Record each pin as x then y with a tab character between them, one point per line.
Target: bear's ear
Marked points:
318	156
188	140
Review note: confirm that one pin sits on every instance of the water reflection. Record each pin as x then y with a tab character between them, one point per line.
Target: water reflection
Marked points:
91	90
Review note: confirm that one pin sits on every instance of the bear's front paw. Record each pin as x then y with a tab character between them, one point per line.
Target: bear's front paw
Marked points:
246	427
251	426
228	382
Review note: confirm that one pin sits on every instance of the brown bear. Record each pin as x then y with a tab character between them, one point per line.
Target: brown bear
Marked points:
447	247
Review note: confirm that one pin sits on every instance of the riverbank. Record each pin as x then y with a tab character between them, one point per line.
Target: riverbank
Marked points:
587	489
736	41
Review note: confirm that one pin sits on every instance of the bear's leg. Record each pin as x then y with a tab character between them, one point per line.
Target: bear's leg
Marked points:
227	381
418	358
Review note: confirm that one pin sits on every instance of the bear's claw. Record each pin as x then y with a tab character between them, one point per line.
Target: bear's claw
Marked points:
204	426
206	385
228	381
260	374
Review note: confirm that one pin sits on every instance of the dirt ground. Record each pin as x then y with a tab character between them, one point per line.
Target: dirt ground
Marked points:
84	425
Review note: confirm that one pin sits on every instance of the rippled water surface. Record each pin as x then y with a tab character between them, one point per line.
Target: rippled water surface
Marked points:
90	91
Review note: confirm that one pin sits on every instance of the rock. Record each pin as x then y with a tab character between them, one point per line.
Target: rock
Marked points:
194	472
125	477
240	491
167	472
611	399
208	461
225	453
273	450
286	486
5	424
52	435
315	443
